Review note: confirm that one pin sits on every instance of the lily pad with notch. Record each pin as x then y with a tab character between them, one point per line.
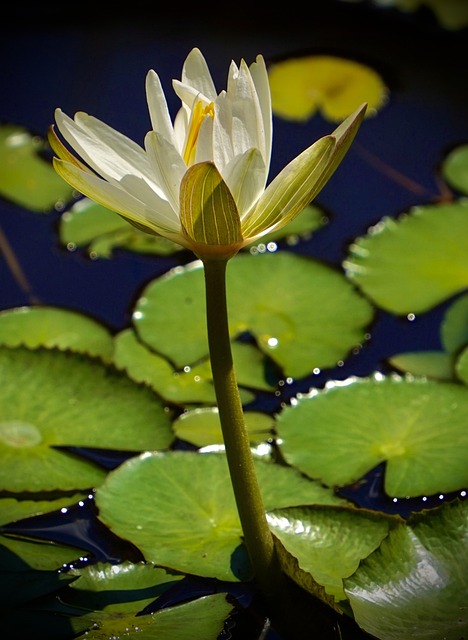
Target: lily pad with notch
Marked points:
302	313
416	426
51	400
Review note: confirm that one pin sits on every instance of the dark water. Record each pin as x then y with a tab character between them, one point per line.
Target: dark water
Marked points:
99	66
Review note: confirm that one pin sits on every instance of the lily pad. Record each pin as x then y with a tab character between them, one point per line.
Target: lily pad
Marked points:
326	543
143	365
12	509
336	86
411	264
100	588
200	618
34	554
416	583
52	399
303	314
178	508
455	168
417	426
440	365
44	326
27	178
202	427
191	385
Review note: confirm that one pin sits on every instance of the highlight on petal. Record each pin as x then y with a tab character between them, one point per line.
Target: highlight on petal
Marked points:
208	213
336	86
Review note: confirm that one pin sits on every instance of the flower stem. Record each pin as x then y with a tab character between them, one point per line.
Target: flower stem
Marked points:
257	535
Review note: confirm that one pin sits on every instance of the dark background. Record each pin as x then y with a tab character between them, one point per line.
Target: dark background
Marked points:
95	58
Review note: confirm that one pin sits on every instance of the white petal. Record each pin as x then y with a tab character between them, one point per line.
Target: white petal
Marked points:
168	166
196	74
157	106
223	151
262	85
245	176
247	118
204	151
118	199
108	152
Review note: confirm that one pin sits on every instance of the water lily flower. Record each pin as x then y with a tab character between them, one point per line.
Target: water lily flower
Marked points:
200	181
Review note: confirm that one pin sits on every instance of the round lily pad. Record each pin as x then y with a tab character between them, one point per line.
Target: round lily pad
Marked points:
178	508
417	426
303	314
336	86
44	326
53	399
411	264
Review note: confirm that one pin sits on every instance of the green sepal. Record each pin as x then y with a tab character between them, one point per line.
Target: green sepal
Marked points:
208	212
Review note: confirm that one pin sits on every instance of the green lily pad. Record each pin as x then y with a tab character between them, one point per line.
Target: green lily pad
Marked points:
27	179
88	224
412	264
455	168
201	618
438	365
303	314
325	544
52	399
20	554
54	327
416	583
417	426
454	326
101	588
187	520
144	365
202	427
12	509
19	583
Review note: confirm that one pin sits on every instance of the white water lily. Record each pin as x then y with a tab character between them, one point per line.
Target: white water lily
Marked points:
200	181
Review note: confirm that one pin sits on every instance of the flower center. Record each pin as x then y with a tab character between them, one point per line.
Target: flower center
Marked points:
199	112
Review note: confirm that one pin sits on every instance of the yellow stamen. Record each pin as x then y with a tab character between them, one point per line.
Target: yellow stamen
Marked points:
198	115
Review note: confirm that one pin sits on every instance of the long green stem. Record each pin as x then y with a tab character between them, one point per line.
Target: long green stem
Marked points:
293	612
257	535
